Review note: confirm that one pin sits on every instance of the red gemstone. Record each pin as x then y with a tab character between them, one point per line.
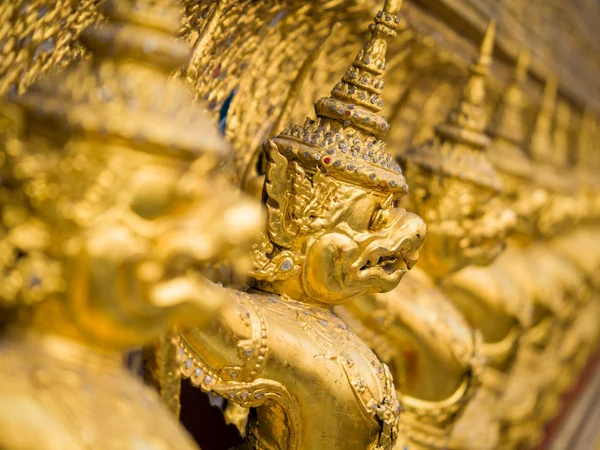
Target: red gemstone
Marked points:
217	71
327	160
347	113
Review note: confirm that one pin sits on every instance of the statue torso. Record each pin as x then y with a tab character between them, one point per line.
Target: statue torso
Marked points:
431	347
300	366
53	398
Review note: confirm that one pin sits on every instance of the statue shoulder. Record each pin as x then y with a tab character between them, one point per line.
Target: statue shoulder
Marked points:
41	36
491	290
26	423
479	283
420	303
25	420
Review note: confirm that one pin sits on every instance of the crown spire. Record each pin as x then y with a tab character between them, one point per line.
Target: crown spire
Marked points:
508	127
459	145
585	142
467	121
358	94
561	138
548	170
346	139
508	122
133	53
540	141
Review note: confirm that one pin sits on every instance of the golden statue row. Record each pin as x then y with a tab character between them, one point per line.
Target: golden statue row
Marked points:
117	212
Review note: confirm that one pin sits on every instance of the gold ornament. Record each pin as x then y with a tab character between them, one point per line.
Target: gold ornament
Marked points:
108	217
491	300
482	342
433	352
333	233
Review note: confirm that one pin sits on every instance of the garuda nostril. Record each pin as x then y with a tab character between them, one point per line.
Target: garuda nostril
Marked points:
412	260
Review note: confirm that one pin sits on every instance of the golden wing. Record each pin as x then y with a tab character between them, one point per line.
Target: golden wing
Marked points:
38	35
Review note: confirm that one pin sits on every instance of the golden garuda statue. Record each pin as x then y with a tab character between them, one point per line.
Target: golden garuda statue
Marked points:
109	215
417	267
333	233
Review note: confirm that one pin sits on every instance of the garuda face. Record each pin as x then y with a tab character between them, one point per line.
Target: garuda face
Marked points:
556	214
124	235
331	239
368	249
467	222
526	200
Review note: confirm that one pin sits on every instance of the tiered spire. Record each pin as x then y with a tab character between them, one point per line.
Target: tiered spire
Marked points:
360	89
540	145
508	122
346	139
508	127
585	148
561	137
125	92
460	143
549	172
585	158
466	123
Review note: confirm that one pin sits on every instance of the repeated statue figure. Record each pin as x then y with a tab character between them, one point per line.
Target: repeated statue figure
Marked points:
482	292
570	277
577	247
581	252
490	300
505	290
545	282
108	217
555	291
334	232
519	400
579	328
434	353
580	248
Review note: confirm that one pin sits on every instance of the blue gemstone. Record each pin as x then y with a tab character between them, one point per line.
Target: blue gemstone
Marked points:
277	18
225	111
35	281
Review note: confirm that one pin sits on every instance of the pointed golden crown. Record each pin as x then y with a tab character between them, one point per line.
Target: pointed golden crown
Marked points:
540	145
346	139
508	127
466	122
508	122
585	142
561	138
585	165
460	143
125	93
